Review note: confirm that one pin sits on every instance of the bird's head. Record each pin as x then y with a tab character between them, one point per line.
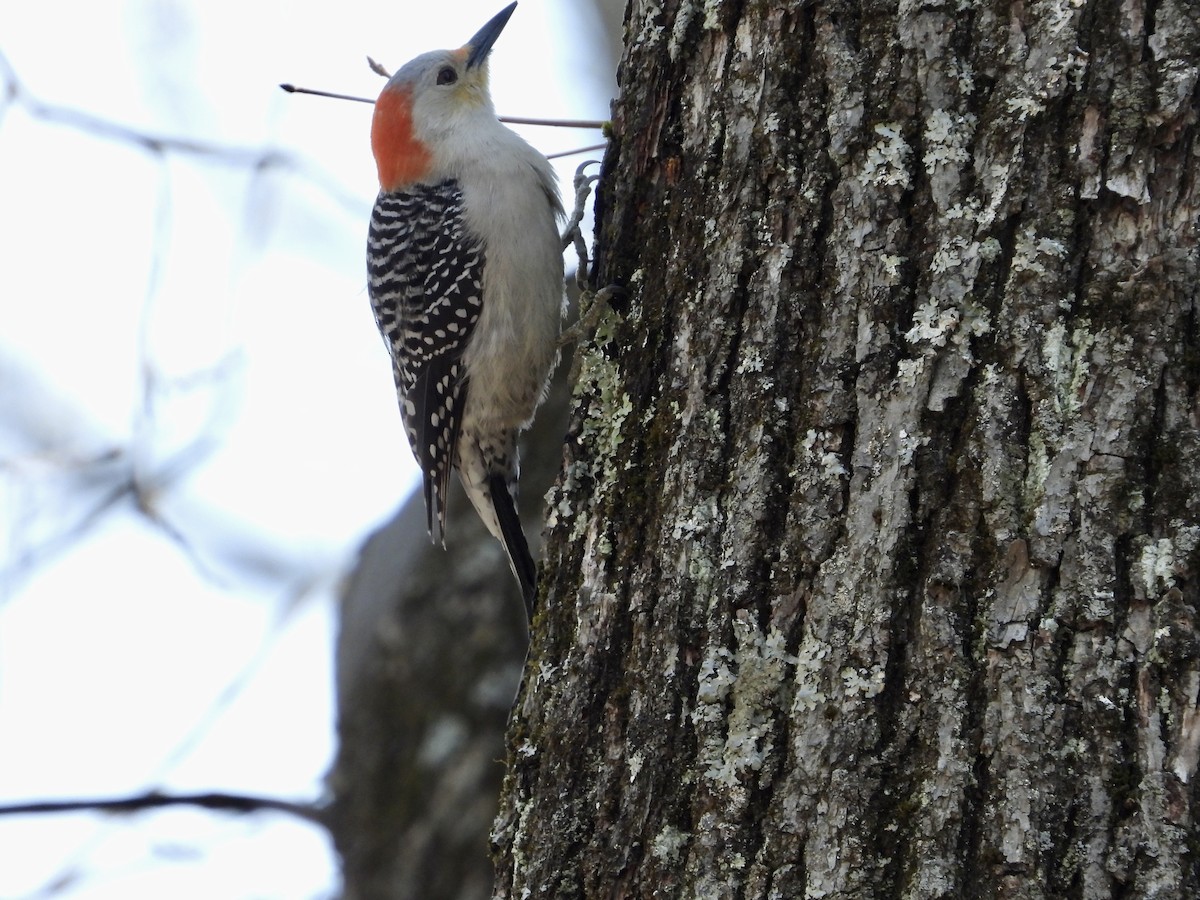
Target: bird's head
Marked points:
421	105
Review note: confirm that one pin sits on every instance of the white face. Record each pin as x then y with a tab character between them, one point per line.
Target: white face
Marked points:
443	89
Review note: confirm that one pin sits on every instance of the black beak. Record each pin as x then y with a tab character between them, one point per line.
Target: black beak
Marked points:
481	44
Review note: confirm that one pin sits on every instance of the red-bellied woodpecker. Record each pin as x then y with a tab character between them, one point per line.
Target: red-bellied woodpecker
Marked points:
466	278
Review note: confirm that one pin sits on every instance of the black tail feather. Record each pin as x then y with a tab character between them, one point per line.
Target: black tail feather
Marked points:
514	540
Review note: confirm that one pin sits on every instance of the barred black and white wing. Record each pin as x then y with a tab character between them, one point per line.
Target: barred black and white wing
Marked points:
425	279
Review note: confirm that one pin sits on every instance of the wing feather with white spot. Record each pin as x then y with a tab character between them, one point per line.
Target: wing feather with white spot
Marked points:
425	279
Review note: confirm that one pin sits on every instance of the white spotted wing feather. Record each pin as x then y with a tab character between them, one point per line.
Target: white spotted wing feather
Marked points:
425	279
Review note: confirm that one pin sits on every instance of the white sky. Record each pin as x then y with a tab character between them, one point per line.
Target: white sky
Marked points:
117	656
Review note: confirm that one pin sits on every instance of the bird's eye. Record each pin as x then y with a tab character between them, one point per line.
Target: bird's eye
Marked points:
447	75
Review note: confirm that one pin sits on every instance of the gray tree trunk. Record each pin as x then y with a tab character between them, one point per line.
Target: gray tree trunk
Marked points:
873	567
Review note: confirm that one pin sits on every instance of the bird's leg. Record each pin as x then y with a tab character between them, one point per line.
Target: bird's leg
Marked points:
572	234
592	307
591	304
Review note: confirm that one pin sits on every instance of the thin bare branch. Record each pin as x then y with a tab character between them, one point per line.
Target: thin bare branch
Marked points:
511	120
554	123
292	89
217	801
563	153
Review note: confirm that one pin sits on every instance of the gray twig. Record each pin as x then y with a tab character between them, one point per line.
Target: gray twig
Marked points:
236	803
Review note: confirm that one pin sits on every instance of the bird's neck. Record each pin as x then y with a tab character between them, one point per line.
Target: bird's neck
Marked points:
400	157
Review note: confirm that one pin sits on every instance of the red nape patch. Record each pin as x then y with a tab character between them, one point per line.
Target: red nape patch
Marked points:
399	156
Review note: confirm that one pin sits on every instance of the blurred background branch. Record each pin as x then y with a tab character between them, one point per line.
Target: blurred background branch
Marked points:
234	803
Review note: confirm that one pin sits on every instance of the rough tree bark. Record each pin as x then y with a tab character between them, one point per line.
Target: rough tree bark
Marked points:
872	570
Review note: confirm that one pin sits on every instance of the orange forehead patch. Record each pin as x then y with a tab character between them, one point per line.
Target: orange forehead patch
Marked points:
400	158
